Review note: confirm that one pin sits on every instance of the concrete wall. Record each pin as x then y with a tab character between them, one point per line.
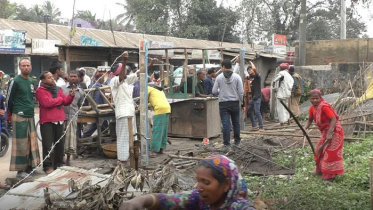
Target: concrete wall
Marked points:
265	66
338	51
332	78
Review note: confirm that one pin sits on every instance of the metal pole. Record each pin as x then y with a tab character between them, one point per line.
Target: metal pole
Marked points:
144	126
302	34
343	19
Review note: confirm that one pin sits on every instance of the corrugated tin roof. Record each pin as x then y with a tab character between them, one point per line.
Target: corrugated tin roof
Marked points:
123	39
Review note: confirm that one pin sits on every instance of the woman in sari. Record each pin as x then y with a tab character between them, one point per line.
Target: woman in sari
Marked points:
219	187
329	150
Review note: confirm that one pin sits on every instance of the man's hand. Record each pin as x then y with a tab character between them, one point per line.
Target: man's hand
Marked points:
252	65
125	56
72	92
238	60
273	84
2	112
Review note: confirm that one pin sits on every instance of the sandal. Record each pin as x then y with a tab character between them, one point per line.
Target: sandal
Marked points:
152	155
254	129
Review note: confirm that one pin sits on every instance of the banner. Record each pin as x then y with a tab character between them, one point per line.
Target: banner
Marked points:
156	44
89	41
44	46
279	43
12	41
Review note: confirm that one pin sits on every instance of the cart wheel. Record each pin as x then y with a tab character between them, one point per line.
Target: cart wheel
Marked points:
4	144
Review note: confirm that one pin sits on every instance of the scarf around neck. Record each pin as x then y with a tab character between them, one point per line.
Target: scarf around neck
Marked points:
52	88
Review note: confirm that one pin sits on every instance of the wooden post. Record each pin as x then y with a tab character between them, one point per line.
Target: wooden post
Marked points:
169	82
371	182
185	71
131	143
204	59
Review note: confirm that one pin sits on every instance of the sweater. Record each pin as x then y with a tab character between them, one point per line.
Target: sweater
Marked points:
20	99
229	87
51	109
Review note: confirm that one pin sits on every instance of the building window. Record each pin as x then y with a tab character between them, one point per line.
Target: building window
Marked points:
79	25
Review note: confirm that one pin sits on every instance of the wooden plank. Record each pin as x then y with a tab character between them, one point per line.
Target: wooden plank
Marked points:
85	119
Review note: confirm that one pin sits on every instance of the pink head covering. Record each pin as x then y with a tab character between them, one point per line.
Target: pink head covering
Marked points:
116	73
318	92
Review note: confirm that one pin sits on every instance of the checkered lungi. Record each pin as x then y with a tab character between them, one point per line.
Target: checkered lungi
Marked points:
159	134
123	137
71	139
25	149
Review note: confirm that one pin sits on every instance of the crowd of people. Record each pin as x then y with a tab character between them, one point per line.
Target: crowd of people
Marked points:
60	96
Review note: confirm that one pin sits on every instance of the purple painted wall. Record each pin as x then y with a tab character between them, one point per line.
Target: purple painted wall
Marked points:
82	23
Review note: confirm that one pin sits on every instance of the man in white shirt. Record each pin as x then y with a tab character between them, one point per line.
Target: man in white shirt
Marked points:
56	70
86	79
122	88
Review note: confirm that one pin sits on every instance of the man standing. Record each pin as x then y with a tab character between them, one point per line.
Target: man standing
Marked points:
71	115
86	78
52	117
230	90
25	151
201	89
296	92
283	83
209	83
122	88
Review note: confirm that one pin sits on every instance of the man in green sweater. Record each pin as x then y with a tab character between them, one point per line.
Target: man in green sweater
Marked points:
25	150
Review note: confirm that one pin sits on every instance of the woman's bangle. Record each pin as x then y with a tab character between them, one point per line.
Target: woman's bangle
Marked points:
154	201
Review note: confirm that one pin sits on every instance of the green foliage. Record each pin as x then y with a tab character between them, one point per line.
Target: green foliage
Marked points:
262	18
306	191
195	19
7	9
307	89
86	15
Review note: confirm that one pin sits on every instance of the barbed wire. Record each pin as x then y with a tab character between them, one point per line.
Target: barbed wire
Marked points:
65	131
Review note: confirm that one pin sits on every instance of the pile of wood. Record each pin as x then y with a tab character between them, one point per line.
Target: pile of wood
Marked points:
356	118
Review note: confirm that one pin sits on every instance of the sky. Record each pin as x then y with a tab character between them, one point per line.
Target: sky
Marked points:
102	9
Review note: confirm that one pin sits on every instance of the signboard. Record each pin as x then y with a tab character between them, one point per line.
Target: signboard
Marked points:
89	41
279	43
211	54
12	41
156	44
44	46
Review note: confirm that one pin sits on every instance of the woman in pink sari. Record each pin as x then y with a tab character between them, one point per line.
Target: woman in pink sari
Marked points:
329	150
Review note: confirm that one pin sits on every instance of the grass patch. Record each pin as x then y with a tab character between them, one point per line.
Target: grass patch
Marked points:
305	191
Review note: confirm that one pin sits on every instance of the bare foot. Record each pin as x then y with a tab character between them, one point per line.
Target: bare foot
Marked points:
152	155
49	171
161	151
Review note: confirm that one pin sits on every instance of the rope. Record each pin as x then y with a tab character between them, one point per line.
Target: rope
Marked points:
64	133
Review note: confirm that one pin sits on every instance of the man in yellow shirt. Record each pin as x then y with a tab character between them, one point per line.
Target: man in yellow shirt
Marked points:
162	110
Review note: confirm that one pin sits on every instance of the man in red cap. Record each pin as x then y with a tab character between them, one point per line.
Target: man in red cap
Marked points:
283	84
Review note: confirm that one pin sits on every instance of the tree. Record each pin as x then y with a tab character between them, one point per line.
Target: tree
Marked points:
7	9
126	18
86	15
266	17
50	9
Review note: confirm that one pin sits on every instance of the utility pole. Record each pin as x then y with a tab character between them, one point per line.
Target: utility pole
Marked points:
302	34
343	19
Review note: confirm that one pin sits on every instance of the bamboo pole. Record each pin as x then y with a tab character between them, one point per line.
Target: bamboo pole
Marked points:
131	143
263	133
